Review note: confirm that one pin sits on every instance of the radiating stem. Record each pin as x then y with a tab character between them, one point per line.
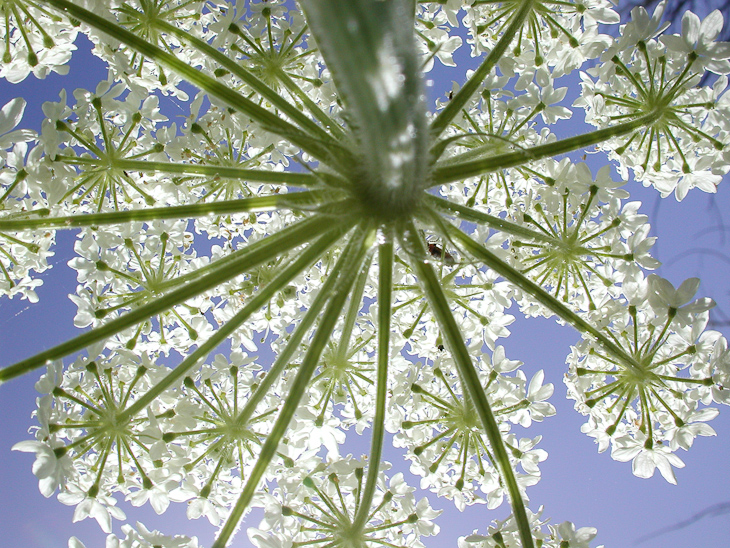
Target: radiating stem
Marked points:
353	311
42	218
347	269
268	120
290	178
260	252
453	170
284	358
385	297
251	80
472	215
318	113
461	97
538	293
308	257
469	378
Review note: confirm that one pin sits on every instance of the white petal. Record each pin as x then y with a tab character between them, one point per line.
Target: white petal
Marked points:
711	26
11	114
643	465
690	27
73	542
667	472
687	290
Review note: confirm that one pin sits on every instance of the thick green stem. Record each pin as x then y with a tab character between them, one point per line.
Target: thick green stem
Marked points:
385	298
469	378
368	46
452	170
254	255
294	201
462	97
268	120
308	257
346	270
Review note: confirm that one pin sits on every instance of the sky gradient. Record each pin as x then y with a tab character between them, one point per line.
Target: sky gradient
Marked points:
578	484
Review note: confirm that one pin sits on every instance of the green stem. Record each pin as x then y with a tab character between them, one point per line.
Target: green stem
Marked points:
296	200
470	379
268	120
252	81
346	270
317	112
469	214
208	170
267	248
308	257
458	171
284	359
353	311
385	298
461	98
513	275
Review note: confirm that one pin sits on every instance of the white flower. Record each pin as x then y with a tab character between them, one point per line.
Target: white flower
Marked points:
51	470
698	38
101	508
646	460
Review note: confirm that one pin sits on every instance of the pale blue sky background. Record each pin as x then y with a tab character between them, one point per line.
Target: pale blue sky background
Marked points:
578	484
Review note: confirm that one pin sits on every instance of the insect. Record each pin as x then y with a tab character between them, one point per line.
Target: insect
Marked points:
440	344
438	253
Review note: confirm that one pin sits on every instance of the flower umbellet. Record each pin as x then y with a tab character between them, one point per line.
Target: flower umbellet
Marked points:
309	203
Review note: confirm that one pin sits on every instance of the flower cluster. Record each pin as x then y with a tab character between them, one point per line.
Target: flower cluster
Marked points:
329	509
683	144
307	252
141	537
35	39
643	396
27	251
443	436
504	534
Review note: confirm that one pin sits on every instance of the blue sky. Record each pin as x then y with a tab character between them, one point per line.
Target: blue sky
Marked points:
578	484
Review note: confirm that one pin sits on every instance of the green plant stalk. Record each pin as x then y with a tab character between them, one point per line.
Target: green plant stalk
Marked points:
346	272
514	276
458	171
285	356
353	311
209	170
324	119
461	97
308	257
293	201
470	379
385	299
268	120
267	249
252	81
472	215
375	67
